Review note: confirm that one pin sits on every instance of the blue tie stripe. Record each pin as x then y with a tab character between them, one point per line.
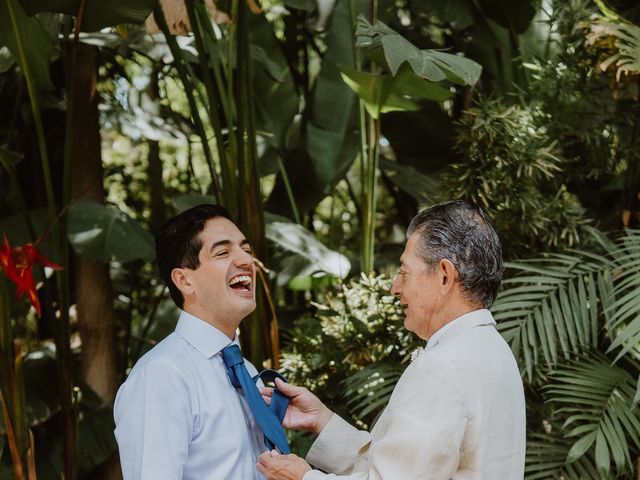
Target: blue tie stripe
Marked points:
268	418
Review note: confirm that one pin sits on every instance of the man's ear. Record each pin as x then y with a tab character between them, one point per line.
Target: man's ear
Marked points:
180	279
448	274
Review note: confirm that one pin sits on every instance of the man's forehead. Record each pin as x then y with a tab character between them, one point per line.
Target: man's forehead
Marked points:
220	229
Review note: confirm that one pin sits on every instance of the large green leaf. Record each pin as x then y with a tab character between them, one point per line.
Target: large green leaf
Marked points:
374	90
406	82
432	65
423	188
96	441
331	113
41	391
414	73
189	200
326	137
104	234
383	93
41	45
300	255
276	99
97	15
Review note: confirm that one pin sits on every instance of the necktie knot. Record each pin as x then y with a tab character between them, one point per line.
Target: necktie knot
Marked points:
232	356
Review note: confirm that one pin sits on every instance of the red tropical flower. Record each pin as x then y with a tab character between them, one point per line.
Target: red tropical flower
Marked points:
17	264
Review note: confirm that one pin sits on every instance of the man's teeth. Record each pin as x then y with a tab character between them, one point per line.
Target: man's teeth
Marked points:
243	279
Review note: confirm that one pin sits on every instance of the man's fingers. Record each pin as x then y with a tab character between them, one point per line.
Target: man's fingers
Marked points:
266	393
262	462
288	389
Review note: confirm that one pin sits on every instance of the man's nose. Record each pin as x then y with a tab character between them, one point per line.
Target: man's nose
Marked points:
395	290
243	258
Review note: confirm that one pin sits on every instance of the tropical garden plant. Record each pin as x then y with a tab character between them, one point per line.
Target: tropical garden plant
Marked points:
324	127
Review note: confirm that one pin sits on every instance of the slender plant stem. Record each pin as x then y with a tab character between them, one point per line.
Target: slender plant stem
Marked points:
369	158
287	186
35	108
184	74
372	189
207	64
217	93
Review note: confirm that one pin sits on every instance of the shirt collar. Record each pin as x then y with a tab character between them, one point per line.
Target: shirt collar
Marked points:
203	336
464	322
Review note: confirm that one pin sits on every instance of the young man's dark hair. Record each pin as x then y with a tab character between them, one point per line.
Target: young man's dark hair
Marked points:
178	245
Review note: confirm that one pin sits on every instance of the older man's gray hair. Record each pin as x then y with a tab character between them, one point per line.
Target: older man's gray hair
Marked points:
461	233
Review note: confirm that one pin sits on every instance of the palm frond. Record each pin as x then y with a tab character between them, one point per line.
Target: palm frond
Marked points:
550	308
369	389
596	400
546	460
627	35
623	306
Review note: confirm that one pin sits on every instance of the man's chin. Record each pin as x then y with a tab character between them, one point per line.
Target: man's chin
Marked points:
408	324
249	308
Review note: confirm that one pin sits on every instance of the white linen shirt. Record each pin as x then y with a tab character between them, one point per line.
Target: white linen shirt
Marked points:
178	416
457	412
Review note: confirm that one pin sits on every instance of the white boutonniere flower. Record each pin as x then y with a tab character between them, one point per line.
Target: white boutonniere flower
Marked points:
416	353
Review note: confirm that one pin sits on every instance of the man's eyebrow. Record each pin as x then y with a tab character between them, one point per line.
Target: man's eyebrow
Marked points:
220	243
227	243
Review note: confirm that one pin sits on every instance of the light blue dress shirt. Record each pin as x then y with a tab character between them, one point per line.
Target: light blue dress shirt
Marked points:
178	416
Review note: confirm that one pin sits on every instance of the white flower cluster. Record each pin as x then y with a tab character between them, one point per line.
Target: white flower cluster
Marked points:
416	353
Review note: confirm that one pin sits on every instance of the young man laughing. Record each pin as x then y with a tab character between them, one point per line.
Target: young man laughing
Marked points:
178	415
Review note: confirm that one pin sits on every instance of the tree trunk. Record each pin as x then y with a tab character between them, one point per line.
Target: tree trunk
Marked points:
154	167
94	293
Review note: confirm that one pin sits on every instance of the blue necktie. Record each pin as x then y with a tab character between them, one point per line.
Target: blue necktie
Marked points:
270	417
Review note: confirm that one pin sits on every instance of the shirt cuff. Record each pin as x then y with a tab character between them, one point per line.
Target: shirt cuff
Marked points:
337	447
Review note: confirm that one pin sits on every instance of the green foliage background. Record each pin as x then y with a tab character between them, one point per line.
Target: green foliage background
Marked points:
340	129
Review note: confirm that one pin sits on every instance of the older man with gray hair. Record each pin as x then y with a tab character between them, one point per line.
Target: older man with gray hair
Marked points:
458	411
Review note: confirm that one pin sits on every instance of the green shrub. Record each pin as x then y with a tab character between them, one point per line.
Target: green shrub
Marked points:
352	350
